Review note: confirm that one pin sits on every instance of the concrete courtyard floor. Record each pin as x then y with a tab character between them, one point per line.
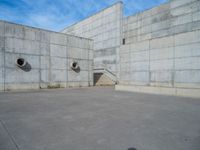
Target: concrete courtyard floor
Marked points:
97	119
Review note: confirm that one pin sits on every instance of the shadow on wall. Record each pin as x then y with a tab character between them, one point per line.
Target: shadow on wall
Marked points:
100	79
97	77
77	70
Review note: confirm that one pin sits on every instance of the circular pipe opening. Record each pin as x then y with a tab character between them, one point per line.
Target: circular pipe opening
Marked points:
74	65
21	62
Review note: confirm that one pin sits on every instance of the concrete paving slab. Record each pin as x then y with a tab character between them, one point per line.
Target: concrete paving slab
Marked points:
6	140
98	118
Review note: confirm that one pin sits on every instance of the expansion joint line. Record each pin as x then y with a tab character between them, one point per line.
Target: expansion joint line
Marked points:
9	134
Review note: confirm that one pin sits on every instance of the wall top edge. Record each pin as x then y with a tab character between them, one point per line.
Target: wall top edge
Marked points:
13	23
149	9
117	3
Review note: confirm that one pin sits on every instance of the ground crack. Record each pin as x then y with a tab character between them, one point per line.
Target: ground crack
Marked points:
9	134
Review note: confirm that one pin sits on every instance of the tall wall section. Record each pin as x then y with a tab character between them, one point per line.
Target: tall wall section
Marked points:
162	49
105	29
49	55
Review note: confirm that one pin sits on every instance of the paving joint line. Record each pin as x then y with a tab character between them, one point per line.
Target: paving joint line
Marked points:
9	134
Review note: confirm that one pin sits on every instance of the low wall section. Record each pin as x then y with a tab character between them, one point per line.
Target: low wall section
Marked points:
49	55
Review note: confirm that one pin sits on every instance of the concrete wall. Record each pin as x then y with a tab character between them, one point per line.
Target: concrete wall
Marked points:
48	53
105	29
162	46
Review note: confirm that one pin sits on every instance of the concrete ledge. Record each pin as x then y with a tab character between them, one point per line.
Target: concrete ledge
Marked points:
185	92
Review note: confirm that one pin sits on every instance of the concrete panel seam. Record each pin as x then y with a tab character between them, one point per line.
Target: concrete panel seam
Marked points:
173	72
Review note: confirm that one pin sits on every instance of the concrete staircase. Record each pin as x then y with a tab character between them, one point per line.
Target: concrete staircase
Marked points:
103	77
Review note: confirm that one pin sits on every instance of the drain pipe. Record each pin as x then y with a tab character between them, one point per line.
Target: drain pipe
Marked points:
74	65
21	62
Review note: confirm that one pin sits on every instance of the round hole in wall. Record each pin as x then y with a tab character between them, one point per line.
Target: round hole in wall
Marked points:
21	62
74	65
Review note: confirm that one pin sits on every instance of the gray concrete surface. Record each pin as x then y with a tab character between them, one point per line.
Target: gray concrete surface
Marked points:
162	47
49	55
105	29
97	119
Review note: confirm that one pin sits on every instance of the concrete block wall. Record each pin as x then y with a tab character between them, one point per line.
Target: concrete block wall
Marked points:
105	29
48	53
162	46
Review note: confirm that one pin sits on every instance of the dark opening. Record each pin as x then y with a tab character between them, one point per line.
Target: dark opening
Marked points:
123	41
20	61
23	64
74	64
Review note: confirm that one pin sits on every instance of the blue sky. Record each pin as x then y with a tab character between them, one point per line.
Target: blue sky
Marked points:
57	14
